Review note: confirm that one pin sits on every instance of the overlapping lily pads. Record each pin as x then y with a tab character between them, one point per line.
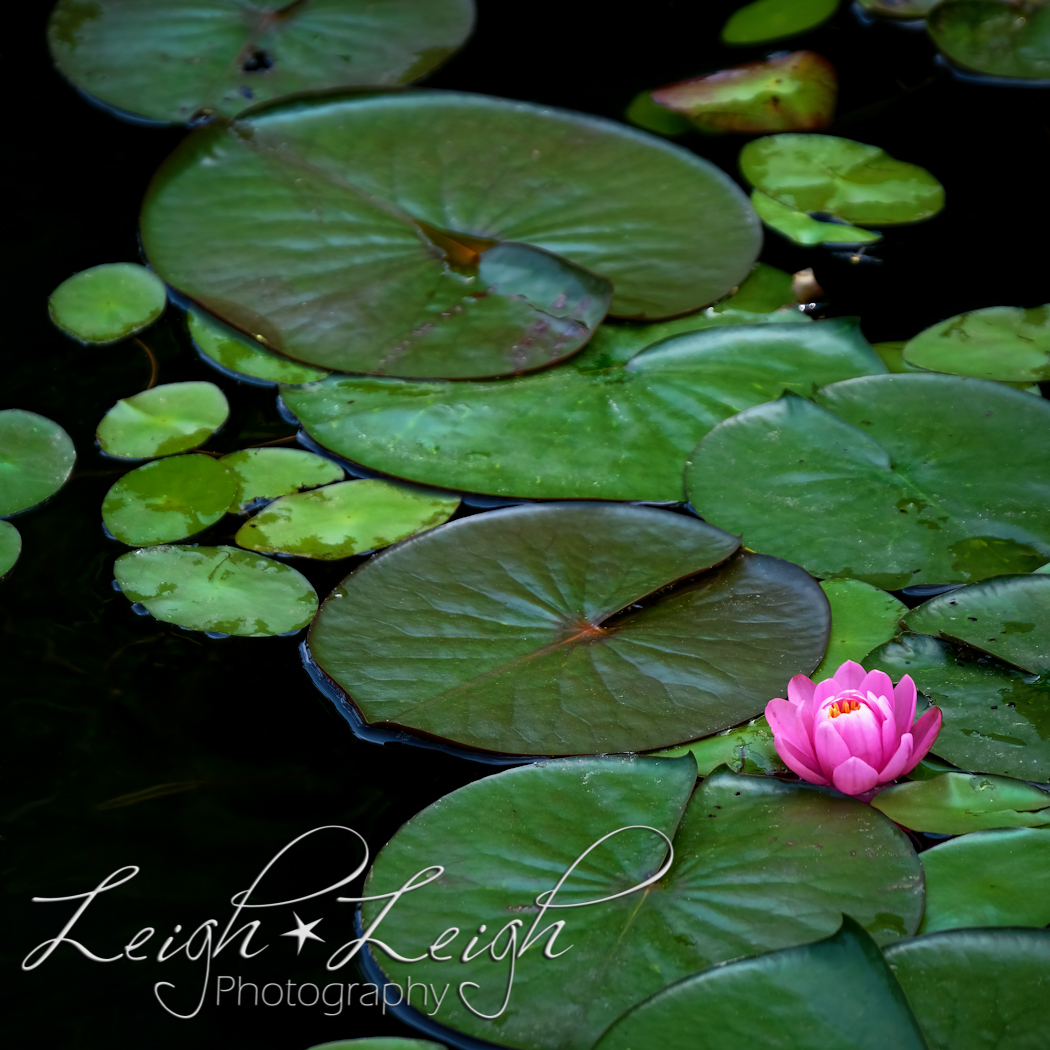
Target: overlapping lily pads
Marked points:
803	229
746	749
1006	343
602	430
764	20
176	60
266	473
175	417
895	479
348	518
758	865
862	618
36	459
1004	39
222	590
439	233
10	546
168	499
108	303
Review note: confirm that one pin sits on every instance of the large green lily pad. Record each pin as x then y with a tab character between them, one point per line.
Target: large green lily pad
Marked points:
833	993
175	417
839	177
862	617
548	630
989	36
176	60
1006	343
107	303
10	546
168	499
989	878
758	865
438	233
615	431
217	589
895	479
1008	617
977	989
956	803
348	518
996	718
36	459
803	229
765	20
266	473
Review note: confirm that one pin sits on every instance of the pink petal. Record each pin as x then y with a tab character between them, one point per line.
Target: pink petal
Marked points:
854	777
904	703
824	691
800	689
849	675
862	735
882	706
900	762
878	682
830	748
924	732
795	761
891	739
788	725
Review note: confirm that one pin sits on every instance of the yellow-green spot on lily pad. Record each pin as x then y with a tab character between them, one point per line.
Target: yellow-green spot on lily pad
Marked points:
219	589
766	20
10	546
746	749
172	418
243	357
266	473
36	458
803	229
1000	39
862	617
168	499
108	303
349	518
843	179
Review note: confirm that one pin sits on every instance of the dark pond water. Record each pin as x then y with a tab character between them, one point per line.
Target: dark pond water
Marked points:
225	748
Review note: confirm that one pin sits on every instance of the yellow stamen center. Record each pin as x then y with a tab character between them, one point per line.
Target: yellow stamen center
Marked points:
847	707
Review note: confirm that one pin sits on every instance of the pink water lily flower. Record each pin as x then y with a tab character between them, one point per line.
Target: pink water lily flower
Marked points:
853	730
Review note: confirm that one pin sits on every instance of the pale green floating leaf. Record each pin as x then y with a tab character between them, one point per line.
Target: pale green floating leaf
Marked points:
1006	343
847	180
219	589
175	417
266	473
765	20
989	878
36	459
989	36
108	303
348	518
645	113
10	546
956	803
862	617
746	749
168	499
799	227
892	354
242	357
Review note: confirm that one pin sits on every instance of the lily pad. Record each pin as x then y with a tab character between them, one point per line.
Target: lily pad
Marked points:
892	354
977	989
602	430
36	459
178	60
175	417
1003	39
440	234
996	719
1008	617
793	92
107	303
841	178
1006	343
746	749
989	878
862	617
956	803
895	479
803	229
219	589
836	992
539	630
758	865
10	546
765	20
242	358
645	113
380	1042
351	517
168	499
266	473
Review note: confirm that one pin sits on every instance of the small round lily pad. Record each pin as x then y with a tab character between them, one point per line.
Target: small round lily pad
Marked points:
10	546
219	589
172	418
765	20
108	303
996	38
349	518
168	499
36	458
266	473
